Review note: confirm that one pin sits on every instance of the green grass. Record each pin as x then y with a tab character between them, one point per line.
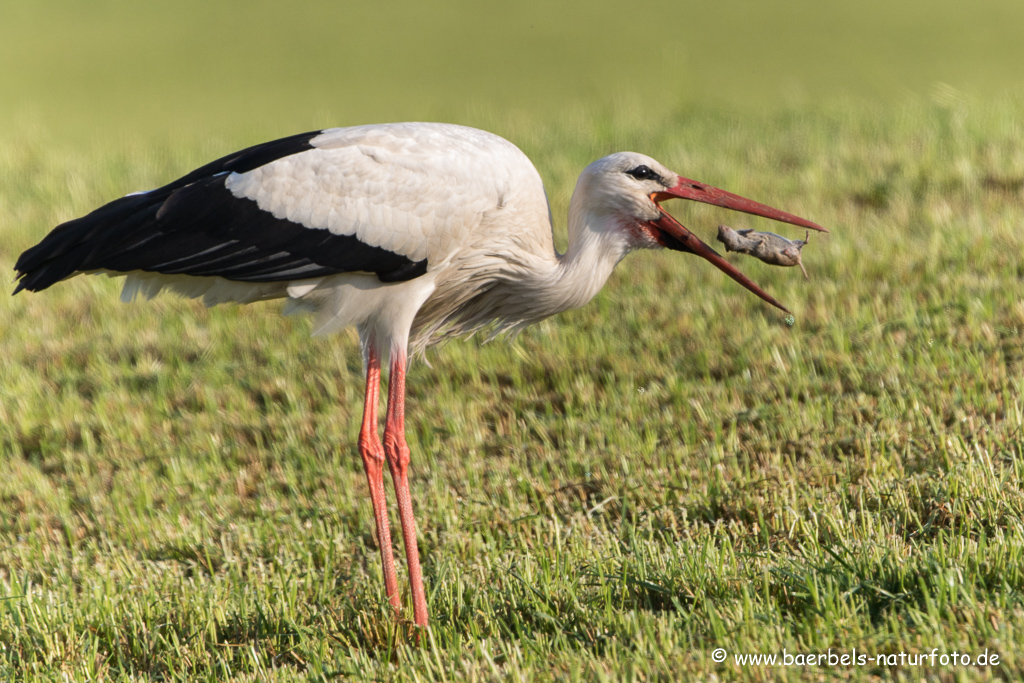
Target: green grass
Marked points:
611	496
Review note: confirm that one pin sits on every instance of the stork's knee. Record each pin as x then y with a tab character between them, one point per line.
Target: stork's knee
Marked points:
397	452
373	455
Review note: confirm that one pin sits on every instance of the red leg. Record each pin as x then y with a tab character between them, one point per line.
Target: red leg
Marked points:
397	451
373	462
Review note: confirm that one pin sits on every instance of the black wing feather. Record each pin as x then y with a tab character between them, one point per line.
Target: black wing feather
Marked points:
195	226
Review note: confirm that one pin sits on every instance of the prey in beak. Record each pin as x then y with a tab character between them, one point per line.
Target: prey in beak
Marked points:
676	236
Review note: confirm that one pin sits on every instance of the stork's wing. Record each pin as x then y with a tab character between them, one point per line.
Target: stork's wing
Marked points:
389	199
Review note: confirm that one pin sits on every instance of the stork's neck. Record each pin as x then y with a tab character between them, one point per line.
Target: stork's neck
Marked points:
596	244
537	282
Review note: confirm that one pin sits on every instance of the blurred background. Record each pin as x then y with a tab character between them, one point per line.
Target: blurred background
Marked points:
78	71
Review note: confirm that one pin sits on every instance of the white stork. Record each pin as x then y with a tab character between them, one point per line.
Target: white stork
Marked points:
412	232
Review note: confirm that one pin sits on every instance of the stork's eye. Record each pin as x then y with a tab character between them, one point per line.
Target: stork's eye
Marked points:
642	173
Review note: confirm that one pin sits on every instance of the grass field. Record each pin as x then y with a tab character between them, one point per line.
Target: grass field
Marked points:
611	496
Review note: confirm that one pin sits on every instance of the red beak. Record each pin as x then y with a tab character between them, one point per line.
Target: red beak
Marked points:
699	192
681	239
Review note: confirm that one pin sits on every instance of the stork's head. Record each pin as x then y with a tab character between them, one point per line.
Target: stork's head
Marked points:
627	188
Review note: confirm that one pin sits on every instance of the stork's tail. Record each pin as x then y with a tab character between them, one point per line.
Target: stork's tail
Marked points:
74	246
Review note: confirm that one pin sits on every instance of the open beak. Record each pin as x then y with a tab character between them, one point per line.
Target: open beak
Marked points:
681	239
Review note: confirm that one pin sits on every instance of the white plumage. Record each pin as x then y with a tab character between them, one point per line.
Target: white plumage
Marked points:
411	232
461	198
415	189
